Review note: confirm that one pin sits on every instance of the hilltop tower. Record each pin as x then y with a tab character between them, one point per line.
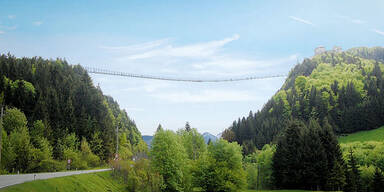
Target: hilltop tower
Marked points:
320	50
337	49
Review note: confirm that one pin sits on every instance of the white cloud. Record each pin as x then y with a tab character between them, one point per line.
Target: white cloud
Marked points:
8	27
205	96
234	66
2	32
195	50
301	20
37	23
11	16
357	21
138	47
230	62
352	20
378	31
204	60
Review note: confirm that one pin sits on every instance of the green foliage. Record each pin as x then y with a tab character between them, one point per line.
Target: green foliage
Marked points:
69	142
258	166
252	175
378	181
51	165
7	154
301	83
308	157
101	181
141	147
369	153
38	129
193	142
366	175
97	144
353	178
138	176
87	155
168	158
20	141
41	152
125	148
59	99
221	169
76	161
14	119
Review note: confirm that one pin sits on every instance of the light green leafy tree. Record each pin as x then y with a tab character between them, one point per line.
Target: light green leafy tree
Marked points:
87	154
14	119
168	158
20	141
220	169
193	142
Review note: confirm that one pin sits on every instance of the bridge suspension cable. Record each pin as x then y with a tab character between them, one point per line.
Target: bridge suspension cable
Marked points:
131	75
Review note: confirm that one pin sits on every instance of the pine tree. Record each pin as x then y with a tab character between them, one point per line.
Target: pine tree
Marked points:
353	179
334	178
159	128
187	127
378	181
314	158
287	162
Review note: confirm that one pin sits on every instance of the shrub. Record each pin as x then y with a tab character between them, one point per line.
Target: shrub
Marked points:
49	165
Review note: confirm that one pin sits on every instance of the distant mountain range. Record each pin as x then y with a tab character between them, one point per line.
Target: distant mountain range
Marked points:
208	136
147	139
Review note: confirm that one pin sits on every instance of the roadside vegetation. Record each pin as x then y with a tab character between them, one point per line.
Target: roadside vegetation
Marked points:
101	181
182	161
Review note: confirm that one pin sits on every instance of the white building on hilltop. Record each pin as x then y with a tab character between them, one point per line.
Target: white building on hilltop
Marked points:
337	49
320	50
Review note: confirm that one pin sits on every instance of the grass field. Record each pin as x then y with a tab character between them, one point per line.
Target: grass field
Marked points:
101	181
371	135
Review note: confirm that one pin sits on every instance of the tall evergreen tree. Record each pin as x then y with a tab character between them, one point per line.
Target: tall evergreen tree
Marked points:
187	126
314	158
287	162
378	181
353	179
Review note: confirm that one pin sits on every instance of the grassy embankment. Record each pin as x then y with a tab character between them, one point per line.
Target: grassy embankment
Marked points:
101	181
370	135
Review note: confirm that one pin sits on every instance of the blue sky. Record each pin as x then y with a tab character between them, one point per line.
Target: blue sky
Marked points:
187	39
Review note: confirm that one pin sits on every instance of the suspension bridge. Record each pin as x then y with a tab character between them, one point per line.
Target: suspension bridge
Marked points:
142	76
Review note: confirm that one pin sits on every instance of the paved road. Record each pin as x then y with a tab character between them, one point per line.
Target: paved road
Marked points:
7	180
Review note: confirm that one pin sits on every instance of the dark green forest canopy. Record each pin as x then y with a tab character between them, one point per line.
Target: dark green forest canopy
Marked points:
64	97
346	88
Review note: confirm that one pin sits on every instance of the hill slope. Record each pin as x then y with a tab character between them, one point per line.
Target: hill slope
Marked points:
346	88
63	101
370	135
101	181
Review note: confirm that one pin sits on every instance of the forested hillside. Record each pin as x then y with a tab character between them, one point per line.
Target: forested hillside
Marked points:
50	106
346	88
